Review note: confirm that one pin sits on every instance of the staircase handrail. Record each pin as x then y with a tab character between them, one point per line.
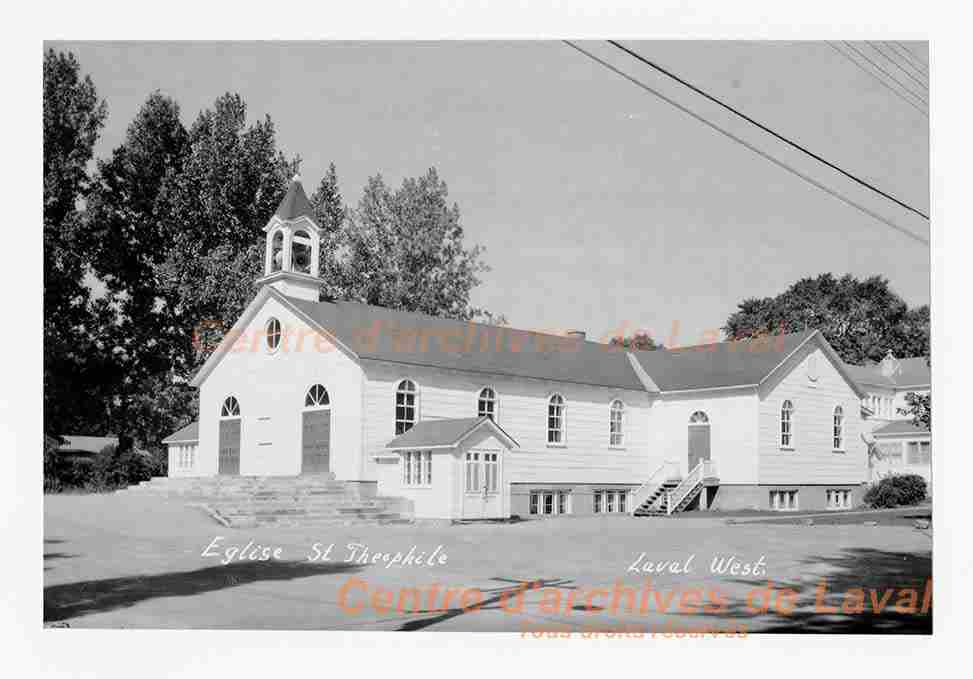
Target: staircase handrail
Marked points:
679	493
643	492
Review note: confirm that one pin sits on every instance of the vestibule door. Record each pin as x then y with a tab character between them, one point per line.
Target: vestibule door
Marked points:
229	462
316	442
482	485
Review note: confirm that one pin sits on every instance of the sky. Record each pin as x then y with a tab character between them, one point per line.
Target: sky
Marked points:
601	207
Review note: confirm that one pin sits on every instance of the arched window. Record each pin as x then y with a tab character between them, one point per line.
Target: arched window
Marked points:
231	407
838	432
277	251
317	397
616	434
301	252
787	425
555	419
699	417
405	406
486	405
273	334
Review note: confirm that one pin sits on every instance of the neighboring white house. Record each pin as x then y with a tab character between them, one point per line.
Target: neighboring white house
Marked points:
902	447
478	421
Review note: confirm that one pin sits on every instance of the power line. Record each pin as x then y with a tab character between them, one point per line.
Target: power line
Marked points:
879	79
889	75
759	152
908	58
899	66
766	129
911	56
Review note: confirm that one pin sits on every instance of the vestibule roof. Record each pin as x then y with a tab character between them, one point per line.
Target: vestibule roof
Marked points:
447	433
188	434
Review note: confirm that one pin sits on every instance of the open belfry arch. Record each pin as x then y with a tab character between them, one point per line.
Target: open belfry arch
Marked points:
293	246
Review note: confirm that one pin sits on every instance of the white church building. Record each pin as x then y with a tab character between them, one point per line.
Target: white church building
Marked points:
477	421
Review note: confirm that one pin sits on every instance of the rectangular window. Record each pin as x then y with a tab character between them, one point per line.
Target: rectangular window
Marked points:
892	452
472	472
839	498
609	503
783	500
598	502
918	452
491	473
417	468
621	501
549	502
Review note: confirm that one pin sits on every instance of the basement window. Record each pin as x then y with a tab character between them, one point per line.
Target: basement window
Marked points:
550	502
783	500
610	501
839	498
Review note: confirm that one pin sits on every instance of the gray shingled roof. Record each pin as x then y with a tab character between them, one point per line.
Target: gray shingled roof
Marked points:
295	203
914	372
417	339
898	427
722	364
445	432
188	433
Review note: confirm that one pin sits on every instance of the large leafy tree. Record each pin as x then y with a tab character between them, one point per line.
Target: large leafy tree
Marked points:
74	355
404	249
212	213
126	239
861	319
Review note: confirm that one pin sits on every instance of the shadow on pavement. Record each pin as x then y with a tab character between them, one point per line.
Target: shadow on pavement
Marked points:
62	602
495	601
875	572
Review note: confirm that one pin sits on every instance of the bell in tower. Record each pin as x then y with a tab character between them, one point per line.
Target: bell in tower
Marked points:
293	247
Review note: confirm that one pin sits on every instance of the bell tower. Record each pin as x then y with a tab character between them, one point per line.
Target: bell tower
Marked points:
293	247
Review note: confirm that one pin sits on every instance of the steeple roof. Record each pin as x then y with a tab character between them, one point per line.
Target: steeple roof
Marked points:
295	203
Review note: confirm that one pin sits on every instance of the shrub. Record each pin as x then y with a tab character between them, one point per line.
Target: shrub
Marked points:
897	490
117	467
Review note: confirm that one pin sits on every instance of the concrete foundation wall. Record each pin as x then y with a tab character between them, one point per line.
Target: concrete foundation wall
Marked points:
810	497
581	499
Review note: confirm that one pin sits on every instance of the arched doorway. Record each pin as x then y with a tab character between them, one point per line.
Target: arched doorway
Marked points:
229	457
699	439
316	431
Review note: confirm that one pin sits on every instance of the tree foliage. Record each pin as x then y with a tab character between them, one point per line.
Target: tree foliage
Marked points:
861	319
74	358
167	231
212	213
404	249
919	406
640	341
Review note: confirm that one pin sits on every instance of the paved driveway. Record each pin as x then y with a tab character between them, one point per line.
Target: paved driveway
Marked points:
125	561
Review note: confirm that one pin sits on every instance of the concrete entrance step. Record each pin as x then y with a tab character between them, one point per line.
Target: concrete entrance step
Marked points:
316	499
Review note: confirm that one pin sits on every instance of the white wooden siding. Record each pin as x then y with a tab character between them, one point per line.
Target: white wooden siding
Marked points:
271	390
585	457
812	460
